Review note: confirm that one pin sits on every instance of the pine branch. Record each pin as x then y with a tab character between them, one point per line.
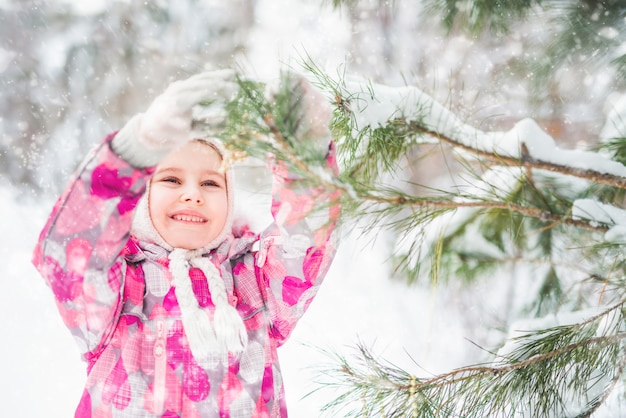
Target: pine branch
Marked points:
522	381
366	197
527	161
481	15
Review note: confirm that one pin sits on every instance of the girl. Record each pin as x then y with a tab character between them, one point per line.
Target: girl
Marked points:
177	313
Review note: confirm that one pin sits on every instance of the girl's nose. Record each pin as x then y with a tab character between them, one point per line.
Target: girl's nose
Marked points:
191	194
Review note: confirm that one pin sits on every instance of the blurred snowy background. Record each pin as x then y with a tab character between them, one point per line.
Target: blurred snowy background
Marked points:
72	71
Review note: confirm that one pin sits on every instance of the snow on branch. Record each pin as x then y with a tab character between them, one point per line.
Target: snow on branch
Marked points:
526	144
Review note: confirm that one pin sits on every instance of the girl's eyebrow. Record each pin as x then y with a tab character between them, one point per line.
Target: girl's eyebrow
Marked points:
160	170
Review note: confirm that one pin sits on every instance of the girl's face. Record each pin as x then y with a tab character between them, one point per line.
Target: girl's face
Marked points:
188	200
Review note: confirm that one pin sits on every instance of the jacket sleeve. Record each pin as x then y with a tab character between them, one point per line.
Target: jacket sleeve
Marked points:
78	252
297	249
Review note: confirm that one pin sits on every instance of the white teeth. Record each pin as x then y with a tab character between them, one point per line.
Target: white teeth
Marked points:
187	218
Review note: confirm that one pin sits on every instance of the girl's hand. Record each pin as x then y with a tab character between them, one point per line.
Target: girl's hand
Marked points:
168	122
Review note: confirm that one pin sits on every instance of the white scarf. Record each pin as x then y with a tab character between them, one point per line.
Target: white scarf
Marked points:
227	333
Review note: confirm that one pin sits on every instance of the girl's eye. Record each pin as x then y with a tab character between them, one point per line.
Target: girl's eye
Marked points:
210	183
170	180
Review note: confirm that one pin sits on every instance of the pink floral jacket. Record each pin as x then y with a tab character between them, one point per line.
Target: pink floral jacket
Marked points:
115	295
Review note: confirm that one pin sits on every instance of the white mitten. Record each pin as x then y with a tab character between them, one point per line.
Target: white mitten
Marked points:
168	121
310	111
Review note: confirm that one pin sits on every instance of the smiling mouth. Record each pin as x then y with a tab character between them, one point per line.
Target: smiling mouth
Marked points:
188	218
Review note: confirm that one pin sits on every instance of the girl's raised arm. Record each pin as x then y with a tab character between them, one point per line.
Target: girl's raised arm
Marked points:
296	251
77	252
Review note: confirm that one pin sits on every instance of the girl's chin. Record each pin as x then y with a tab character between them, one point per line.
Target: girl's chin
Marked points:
187	243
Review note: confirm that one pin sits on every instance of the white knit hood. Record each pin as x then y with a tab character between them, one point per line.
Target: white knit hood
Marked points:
227	332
